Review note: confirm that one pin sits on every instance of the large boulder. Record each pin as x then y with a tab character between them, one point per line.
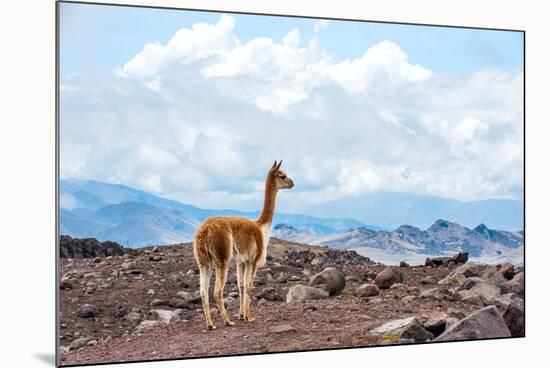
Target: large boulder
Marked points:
388	277
406	328
514	316
483	324
301	292
330	279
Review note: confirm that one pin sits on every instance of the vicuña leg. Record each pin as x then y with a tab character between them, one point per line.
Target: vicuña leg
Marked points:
240	284
250	272
221	277
205	272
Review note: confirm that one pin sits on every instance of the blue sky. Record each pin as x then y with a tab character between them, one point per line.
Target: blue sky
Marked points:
195	106
94	36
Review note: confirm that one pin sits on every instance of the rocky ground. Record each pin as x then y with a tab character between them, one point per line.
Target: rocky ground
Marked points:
144	304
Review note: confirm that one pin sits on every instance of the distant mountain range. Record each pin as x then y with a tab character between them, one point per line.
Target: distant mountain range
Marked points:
136	218
441	238
390	210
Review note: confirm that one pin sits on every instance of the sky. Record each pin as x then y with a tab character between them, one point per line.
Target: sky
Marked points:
195	106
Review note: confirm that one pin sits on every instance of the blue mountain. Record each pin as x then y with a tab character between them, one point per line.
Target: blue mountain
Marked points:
390	210
136	218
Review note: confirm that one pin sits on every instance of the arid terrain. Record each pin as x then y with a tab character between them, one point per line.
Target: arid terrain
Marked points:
120	304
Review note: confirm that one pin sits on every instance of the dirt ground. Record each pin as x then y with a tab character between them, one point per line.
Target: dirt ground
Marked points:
120	291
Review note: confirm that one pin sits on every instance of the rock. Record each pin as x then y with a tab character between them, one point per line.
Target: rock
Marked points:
155	250
470	282
330	279
301	292
87	311
150	292
483	324
157	302
388	277
366	290
507	271
460	274
129	265
177	303
397	286
147	325
516	285
514	316
404	264
163	315
270	294
461	257
428	263
435	293
155	258
429	280
317	260
441	261
78	343
133	317
436	323
282	328
88	248
486	292
64	285
408	298
406	328
469	269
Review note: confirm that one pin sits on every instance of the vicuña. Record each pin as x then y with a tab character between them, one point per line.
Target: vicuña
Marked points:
219	239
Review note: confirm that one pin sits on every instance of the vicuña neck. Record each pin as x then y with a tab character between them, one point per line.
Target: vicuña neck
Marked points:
266	217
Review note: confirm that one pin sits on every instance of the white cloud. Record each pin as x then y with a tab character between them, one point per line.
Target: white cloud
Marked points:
320	25
202	117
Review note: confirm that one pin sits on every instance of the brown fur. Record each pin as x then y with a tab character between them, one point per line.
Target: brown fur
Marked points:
220	239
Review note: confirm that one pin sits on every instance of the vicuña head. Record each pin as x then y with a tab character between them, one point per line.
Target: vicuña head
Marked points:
219	239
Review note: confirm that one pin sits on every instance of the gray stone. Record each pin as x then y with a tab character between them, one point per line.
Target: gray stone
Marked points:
133	317
514	316
485	323
367	290
388	277
330	279
87	311
406	328
78	343
301	292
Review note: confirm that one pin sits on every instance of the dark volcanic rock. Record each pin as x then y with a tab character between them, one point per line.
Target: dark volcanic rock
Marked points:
388	277
87	311
330	279
88	248
483	324
461	257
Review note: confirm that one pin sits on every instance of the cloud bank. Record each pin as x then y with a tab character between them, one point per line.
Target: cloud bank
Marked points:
201	117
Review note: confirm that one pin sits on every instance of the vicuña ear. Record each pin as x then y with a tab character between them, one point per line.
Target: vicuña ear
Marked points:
279	165
274	165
